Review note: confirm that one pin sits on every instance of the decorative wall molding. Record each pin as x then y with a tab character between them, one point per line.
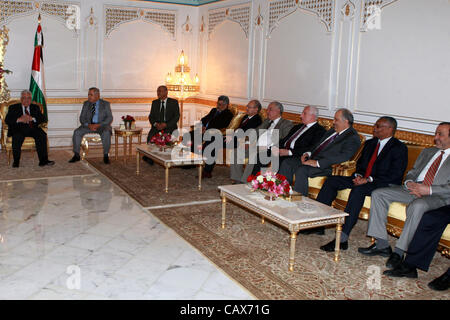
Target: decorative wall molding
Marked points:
367	12
115	16
348	10
68	13
187	28
239	13
324	9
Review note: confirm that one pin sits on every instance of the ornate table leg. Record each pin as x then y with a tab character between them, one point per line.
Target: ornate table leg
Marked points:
130	146
338	241
117	145
199	177
262	220
167	180
124	149
224	210
292	251
138	162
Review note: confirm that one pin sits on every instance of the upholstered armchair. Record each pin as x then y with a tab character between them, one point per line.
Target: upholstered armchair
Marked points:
6	142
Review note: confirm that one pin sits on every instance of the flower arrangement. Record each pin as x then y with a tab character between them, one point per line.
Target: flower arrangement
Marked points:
162	139
275	184
128	118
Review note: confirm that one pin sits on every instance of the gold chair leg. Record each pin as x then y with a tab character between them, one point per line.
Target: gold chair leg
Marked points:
9	157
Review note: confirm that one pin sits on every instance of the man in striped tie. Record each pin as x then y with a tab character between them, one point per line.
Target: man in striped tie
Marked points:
426	187
382	163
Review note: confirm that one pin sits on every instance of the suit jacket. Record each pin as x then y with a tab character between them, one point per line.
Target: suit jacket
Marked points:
105	116
283	125
15	112
340	150
308	139
389	165
172	111
253	123
441	183
220	121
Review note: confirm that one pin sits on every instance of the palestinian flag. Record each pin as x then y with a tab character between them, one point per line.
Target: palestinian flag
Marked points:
37	87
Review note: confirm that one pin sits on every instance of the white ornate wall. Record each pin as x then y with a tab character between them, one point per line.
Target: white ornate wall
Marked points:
329	53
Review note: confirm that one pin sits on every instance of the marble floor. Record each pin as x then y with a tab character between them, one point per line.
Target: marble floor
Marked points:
84	238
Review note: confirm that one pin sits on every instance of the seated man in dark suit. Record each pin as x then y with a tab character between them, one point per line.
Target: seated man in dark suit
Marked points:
164	116
23	120
251	120
337	145
382	163
218	118
301	137
423	247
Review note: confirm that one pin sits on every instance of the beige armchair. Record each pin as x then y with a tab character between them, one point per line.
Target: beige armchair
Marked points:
6	142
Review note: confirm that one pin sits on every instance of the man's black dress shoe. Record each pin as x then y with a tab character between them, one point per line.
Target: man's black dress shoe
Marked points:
15	164
374	251
148	160
394	261
106	159
329	247
188	167
46	163
440	284
402	270
319	231
75	158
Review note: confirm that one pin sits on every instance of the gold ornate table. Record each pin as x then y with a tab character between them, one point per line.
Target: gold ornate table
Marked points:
293	215
173	157
126	134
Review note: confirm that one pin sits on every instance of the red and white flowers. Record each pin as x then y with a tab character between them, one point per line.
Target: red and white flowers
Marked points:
273	183
162	139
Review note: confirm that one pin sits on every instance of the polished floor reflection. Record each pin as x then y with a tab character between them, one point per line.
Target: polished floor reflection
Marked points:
84	238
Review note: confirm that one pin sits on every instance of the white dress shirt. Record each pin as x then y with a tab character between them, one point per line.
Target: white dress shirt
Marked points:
265	140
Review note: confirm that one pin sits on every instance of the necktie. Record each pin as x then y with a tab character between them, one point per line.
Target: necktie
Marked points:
372	161
92	112
162	112
287	145
429	177
30	123
323	145
243	123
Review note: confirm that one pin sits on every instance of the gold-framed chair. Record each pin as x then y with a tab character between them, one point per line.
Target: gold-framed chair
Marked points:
6	142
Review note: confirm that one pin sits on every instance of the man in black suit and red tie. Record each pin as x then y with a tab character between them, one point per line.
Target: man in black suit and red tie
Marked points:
382	163
23	120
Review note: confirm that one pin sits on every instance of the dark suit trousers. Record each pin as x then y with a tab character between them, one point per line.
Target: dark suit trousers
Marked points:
40	140
423	246
355	202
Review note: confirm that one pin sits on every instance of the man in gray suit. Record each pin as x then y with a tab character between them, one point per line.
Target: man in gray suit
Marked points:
95	117
266	140
426	187
337	145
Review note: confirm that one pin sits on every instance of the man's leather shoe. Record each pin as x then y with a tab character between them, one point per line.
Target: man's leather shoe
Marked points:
106	159
394	261
329	247
402	270
75	158
440	284
374	251
46	163
319	231
15	164
206	175
148	160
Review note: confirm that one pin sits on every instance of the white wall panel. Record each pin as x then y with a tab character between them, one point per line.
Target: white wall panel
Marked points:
404	68
227	60
137	57
298	61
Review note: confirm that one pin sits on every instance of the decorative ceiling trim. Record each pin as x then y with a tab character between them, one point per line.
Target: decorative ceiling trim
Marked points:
115	16
238	13
68	13
370	9
324	9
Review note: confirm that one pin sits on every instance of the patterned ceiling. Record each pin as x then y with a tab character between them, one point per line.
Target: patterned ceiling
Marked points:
186	2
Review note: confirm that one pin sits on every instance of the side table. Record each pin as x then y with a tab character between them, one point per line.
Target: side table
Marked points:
126	134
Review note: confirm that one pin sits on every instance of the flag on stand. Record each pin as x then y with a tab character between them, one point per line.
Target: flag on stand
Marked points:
37	86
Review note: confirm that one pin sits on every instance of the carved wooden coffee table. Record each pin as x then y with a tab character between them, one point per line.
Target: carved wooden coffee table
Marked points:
295	215
169	159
